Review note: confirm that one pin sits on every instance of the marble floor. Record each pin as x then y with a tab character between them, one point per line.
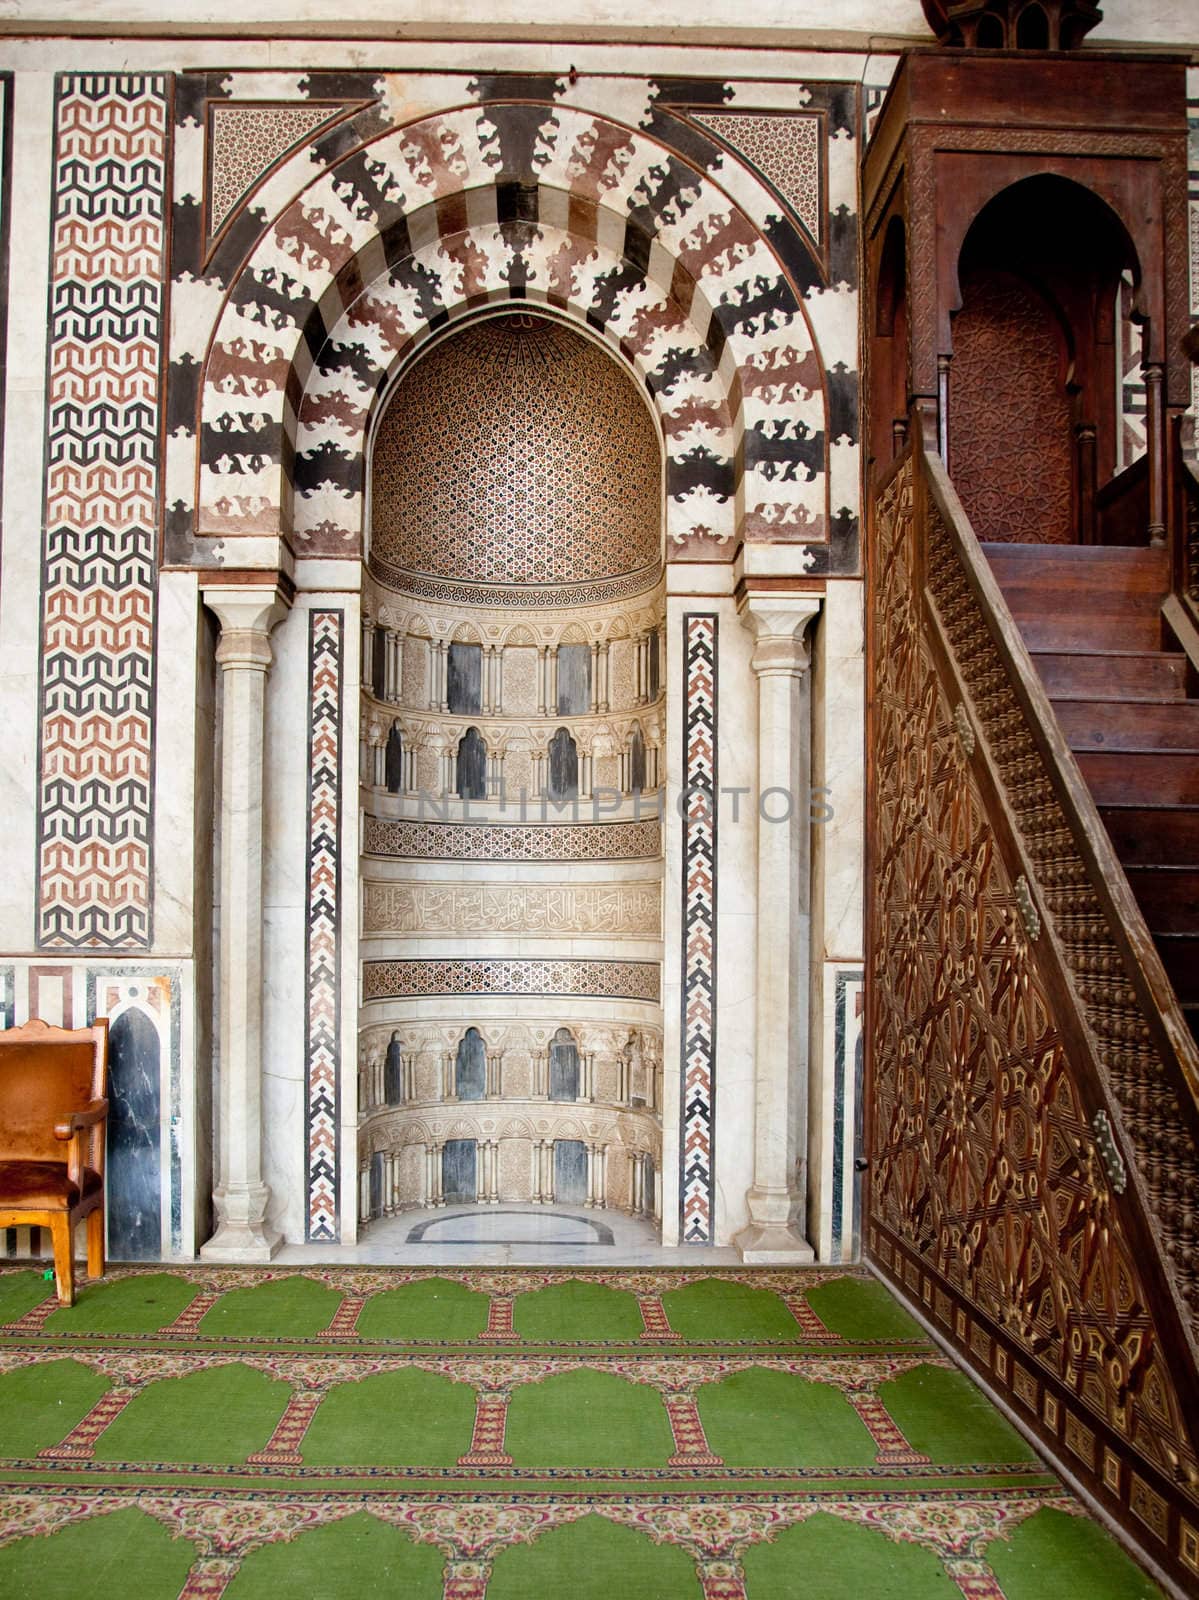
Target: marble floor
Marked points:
510	1236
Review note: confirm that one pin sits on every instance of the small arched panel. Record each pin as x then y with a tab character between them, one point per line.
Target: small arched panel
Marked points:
394	760
563	781
470	1066
471	779
564	1066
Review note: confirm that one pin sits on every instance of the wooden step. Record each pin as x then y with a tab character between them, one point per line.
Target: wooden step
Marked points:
1180	957
1094	725
1153	835
1075	628
1125	778
1168	897
1033	592
1151	675
1114	575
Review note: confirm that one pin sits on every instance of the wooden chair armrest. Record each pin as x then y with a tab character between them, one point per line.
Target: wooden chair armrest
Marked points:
95	1111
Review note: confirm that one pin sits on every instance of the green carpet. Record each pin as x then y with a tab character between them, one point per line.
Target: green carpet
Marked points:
394	1419
345	1433
774	1419
131	1305
587	1419
346	1560
599	1560
38	1405
432	1309
840	1562
107	1558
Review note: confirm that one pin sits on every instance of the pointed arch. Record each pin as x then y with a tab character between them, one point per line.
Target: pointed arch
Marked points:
417	227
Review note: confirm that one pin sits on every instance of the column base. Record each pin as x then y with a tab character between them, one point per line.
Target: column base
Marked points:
241	1233
773	1244
234	1241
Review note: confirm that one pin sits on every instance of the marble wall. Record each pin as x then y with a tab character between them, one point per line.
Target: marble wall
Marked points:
702	229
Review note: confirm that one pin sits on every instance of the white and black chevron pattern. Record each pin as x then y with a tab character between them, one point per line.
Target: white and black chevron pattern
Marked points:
323	942
698	1133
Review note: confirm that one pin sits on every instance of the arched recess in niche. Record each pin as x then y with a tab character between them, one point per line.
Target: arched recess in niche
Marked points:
1033	419
516	486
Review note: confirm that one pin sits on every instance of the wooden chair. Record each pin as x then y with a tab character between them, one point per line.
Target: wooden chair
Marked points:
52	1092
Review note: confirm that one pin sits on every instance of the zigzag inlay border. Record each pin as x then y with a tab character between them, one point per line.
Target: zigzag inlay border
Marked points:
322	948
99	580
697	1141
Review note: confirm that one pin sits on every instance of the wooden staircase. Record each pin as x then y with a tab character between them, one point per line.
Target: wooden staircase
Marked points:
1090	616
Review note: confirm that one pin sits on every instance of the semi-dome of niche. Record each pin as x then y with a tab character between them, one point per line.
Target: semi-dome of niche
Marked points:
517	455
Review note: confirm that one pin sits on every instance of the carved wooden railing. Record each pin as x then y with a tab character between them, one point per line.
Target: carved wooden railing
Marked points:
1133	1030
1126	1376
1186	577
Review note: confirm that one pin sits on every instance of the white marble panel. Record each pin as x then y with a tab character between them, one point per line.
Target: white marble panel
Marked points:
22	525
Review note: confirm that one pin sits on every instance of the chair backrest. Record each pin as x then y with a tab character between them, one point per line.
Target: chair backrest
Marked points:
46	1073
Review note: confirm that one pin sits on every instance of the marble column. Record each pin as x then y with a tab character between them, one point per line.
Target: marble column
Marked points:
243	652
777	1199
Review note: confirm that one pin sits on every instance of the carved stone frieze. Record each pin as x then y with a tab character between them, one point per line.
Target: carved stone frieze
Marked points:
628	910
447	841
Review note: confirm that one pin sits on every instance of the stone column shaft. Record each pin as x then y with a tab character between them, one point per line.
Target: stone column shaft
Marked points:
243	653
777	1200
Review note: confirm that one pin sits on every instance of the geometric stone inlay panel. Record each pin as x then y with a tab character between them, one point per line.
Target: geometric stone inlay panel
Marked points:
244	141
101	491
786	151
617	980
448	841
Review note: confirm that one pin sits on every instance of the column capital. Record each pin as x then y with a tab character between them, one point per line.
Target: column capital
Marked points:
246	613
779	624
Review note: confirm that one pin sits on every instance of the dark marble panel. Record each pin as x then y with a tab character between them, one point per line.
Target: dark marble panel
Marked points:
471	778
564	1067
393	1072
470	1066
637	763
459	1166
574	680
379	663
464	679
570	1171
394	760
133	1161
564	767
